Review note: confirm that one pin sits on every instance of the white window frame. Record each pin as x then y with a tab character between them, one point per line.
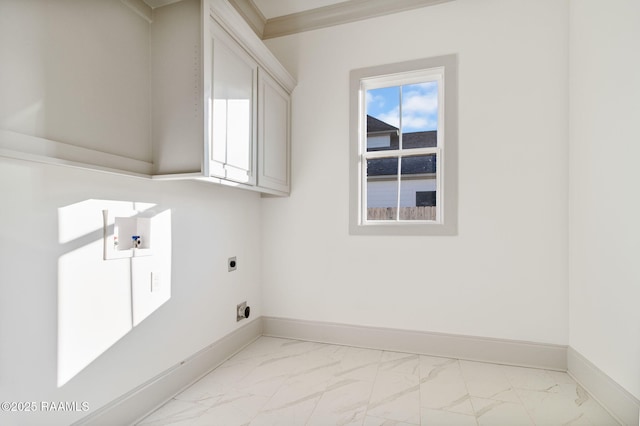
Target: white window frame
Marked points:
398	80
443	70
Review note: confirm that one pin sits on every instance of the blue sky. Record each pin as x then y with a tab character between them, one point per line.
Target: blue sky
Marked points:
419	106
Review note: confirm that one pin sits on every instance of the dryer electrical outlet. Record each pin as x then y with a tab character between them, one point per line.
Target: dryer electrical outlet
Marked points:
232	263
242	311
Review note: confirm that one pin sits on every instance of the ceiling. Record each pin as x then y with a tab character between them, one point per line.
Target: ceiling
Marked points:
269	8
275	18
273	8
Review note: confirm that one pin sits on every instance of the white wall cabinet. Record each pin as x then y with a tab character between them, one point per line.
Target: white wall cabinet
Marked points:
274	124
217	105
233	113
244	113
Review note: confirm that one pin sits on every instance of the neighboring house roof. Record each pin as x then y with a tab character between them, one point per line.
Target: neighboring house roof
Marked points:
422	164
378	126
426	139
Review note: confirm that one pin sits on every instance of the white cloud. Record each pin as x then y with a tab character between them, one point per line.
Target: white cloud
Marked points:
376	100
419	103
391	117
419	107
429	86
418	123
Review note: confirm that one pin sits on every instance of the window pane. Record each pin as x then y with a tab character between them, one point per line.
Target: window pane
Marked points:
383	118
418	188
420	115
382	189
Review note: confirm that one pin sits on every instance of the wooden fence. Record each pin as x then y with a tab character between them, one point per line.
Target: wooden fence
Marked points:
406	213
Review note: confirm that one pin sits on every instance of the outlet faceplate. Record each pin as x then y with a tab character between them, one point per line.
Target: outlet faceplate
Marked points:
240	311
232	263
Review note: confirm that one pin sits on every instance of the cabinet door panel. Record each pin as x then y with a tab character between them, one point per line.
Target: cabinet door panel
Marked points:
273	134
233	110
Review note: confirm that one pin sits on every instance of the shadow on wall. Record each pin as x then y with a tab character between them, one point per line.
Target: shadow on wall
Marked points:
115	271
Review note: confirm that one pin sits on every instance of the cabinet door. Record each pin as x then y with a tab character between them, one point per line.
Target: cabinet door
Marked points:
232	109
273	134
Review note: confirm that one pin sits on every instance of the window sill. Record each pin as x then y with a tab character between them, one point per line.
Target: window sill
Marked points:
405	229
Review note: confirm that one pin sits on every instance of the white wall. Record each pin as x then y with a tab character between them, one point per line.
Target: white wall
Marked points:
209	224
512	239
505	274
604	205
79	99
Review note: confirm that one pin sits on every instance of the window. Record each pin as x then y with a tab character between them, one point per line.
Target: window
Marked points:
404	148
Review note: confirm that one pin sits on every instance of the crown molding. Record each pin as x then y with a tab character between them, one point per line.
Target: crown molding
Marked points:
251	14
340	13
233	22
322	17
153	4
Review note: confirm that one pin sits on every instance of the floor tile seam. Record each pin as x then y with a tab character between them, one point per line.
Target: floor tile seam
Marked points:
329	365
315	407
468	393
467	379
205	406
423	407
238	379
193	421
189	402
393	397
520	403
240	391
399	361
261	409
392	420
420	388
203	414
373	384
486	409
282	384
515	390
318	394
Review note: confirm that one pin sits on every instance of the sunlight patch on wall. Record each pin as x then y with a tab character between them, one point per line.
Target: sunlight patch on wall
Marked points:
100	301
77	220
29	117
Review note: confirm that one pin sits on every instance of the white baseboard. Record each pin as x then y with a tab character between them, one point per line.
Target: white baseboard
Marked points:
139	402
498	351
149	396
620	403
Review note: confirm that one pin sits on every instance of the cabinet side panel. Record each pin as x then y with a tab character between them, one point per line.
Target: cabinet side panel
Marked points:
176	78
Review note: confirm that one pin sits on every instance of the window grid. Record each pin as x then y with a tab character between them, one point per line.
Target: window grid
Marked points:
432	75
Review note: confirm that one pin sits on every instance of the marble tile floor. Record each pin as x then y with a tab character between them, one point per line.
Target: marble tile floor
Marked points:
290	382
